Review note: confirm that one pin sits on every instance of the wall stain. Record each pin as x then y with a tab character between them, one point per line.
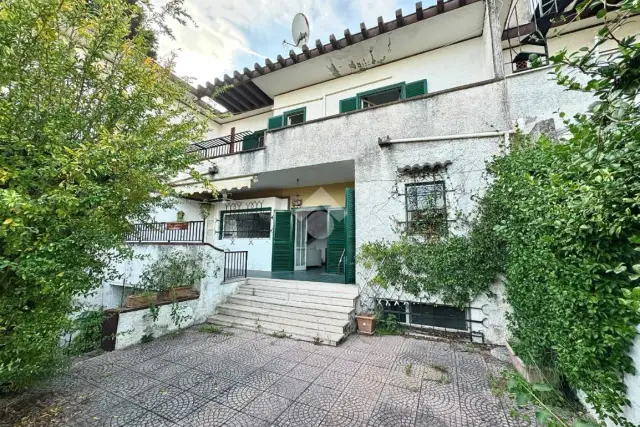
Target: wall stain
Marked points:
375	61
332	68
389	45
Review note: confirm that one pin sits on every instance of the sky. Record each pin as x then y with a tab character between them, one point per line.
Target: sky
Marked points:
231	35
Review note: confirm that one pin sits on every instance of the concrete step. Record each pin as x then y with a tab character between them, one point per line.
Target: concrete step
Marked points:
294	319
321	337
288	296
324	293
335	288
333	312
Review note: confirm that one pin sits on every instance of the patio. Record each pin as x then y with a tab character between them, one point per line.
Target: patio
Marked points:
248	379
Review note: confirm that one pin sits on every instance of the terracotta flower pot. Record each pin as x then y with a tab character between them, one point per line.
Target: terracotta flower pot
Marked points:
366	324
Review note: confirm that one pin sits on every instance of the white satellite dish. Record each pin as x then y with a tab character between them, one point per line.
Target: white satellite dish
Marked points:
299	31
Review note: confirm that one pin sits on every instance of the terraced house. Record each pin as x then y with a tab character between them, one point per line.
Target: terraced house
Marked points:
350	140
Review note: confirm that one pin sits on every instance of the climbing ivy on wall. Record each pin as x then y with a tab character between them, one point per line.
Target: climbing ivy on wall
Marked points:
561	220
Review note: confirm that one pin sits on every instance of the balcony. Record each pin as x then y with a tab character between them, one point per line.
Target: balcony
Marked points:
227	145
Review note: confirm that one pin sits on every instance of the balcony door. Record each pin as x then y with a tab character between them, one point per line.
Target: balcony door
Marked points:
300	246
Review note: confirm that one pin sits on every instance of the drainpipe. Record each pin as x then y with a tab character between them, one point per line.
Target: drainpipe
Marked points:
385	142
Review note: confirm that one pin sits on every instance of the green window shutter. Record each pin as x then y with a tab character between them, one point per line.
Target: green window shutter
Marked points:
249	142
282	254
349	104
350	236
415	89
335	242
275	122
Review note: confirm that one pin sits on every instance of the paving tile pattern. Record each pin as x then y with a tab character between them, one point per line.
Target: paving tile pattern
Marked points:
249	379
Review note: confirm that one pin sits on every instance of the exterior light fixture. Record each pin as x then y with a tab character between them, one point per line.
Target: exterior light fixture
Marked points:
297	201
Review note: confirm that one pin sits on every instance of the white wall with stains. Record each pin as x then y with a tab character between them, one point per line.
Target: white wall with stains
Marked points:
444	68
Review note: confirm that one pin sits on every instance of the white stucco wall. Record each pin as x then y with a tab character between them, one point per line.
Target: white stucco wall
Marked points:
190	208
455	65
133	325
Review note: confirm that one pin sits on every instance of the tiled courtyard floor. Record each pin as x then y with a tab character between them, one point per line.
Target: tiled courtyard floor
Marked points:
249	379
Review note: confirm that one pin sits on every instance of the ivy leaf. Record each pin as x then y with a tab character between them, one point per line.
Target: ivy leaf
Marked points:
543	416
542	387
522	399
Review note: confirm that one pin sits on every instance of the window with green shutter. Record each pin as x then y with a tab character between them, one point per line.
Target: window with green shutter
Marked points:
294	117
416	88
349	104
383	95
275	122
253	140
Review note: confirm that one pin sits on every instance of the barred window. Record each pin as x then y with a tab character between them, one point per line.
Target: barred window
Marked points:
426	208
245	224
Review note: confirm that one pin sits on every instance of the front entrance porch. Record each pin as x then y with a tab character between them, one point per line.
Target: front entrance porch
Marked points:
311	274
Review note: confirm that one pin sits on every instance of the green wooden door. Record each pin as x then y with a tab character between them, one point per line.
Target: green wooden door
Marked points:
335	242
282	254
350	236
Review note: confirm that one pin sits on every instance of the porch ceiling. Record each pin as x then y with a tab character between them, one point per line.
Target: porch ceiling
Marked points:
326	173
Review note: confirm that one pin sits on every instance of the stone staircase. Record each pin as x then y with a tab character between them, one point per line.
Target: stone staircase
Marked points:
310	311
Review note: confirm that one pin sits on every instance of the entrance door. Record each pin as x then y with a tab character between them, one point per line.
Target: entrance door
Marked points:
282	258
300	248
350	236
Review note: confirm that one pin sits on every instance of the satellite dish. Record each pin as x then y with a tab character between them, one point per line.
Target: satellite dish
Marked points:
300	30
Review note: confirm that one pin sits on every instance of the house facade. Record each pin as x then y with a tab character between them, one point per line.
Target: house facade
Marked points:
345	141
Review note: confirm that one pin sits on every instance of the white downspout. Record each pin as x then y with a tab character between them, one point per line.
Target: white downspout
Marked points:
504	133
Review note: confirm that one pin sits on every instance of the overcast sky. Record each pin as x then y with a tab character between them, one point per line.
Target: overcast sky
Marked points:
235	34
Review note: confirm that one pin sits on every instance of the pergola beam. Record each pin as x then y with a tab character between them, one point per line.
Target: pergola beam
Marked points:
399	18
419	11
363	31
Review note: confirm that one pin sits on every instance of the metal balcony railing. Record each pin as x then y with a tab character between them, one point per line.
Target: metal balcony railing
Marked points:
235	265
187	231
230	144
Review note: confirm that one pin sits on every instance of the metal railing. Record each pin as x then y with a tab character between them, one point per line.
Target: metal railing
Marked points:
235	264
229	144
187	231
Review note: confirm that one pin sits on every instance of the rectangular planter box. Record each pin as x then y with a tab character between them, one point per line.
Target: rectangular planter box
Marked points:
134	301
366	324
180	292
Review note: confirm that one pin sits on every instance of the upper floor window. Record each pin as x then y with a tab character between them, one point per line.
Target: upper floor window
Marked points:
380	96
426	208
383	95
245	224
288	118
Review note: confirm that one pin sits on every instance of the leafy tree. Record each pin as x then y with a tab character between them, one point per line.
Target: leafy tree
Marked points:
91	130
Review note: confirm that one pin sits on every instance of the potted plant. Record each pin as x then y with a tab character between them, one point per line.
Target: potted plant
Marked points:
366	323
174	275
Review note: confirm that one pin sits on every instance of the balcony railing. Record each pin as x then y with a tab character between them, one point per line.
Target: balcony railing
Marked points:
235	265
229	144
187	231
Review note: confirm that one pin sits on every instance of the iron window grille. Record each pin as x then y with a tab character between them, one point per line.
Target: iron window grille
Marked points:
426	208
416	314
245	224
